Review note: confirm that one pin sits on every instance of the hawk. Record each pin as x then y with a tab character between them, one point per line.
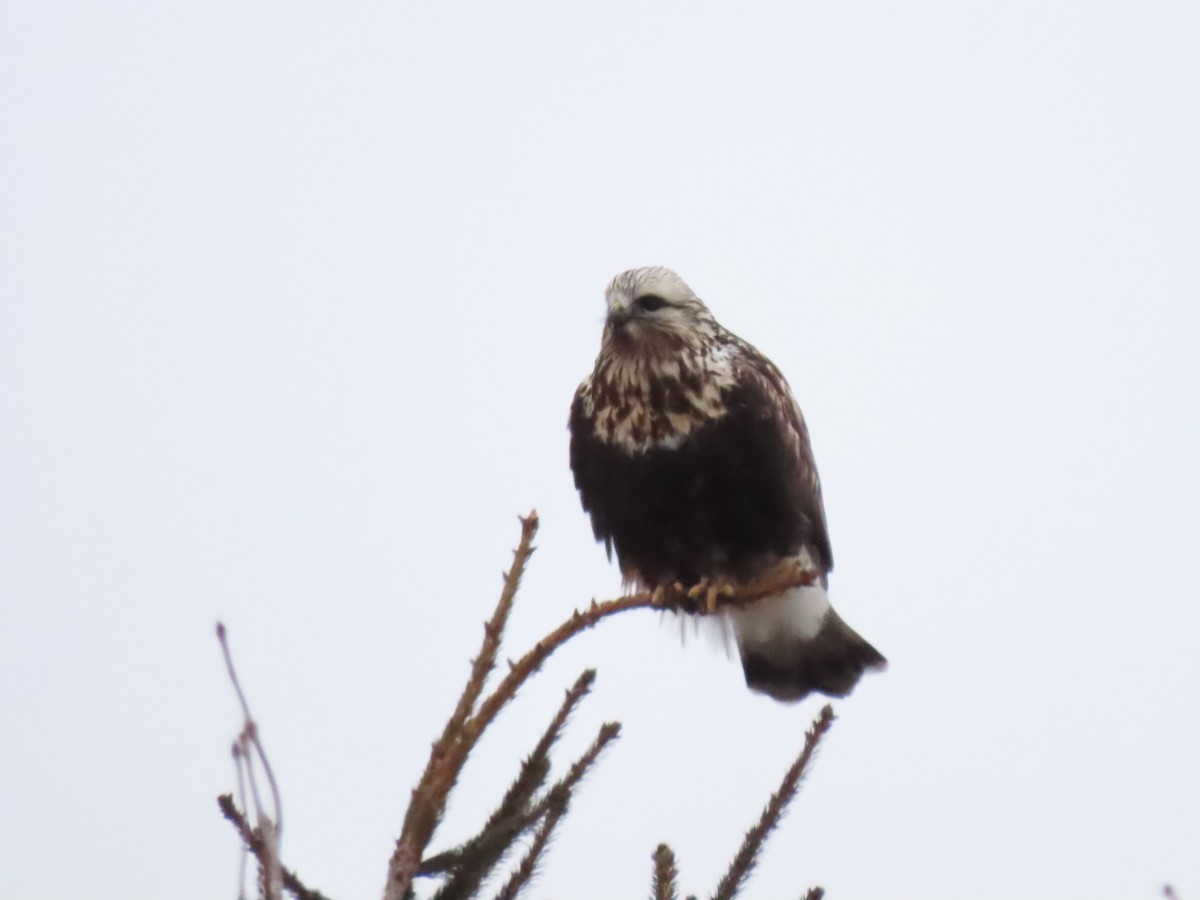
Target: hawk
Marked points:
694	463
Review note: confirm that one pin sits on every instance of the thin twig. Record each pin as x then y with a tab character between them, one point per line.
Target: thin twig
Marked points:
608	733
556	803
474	860
747	855
518	880
493	630
450	751
238	763
251	727
270	826
254	842
514	807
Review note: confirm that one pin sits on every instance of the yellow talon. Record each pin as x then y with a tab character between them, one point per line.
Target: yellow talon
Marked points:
710	601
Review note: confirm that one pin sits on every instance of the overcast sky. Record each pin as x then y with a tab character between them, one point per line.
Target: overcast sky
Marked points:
293	300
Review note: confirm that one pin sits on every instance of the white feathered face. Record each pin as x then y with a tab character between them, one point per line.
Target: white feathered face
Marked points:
653	311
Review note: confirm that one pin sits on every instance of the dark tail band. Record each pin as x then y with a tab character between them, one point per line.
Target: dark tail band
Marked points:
830	663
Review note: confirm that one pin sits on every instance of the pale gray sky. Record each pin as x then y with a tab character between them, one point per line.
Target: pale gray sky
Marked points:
293	299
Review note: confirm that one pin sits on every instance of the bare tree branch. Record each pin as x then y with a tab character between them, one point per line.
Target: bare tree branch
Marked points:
677	599
254	842
474	860
247	748
747	855
556	804
450	752
469	864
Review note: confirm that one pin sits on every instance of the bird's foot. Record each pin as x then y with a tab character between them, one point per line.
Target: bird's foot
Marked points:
710	599
712	592
715	594
699	589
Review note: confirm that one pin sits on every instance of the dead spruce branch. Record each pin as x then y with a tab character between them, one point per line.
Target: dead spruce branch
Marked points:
531	807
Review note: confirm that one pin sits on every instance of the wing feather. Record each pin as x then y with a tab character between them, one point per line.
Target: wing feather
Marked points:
765	385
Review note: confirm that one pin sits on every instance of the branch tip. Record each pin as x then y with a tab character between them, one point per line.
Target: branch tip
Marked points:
476	712
665	874
458	737
747	856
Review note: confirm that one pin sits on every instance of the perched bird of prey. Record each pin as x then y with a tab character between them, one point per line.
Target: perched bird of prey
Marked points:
694	462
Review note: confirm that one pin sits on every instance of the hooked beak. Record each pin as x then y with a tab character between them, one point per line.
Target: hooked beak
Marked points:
619	314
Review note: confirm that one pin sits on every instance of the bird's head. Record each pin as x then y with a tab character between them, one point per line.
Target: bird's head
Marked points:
653	312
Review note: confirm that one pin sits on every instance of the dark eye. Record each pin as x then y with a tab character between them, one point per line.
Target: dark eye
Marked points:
649	302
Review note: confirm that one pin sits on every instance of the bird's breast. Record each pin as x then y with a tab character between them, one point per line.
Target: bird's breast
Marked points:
703	495
639	407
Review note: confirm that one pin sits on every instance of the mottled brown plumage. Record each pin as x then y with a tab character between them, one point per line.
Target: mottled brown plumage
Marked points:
694	462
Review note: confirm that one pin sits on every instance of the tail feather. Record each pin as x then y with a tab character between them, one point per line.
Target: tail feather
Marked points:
796	643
